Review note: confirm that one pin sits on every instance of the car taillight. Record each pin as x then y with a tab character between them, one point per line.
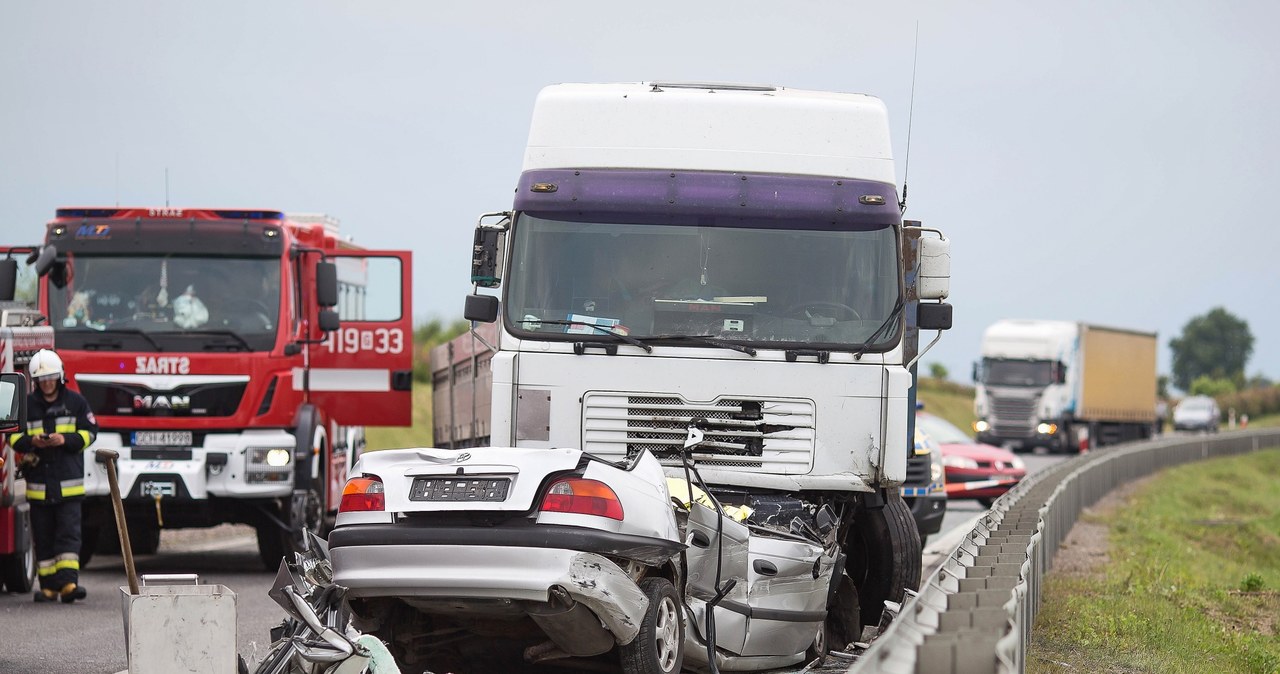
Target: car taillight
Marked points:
582	496
362	494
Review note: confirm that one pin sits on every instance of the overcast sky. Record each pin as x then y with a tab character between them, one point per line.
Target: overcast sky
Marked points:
1099	161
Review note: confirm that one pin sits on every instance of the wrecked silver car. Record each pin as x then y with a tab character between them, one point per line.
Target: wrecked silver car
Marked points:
459	559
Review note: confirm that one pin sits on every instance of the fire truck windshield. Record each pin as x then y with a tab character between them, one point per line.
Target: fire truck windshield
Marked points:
141	303
767	286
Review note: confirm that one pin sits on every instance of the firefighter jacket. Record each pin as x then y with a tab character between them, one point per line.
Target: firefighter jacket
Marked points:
58	472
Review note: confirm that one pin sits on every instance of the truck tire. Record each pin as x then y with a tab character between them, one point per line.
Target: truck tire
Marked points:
843	625
143	540
885	556
273	543
89	541
18	570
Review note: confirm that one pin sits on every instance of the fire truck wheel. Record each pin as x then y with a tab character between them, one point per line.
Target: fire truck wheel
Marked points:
273	542
18	570
143	540
885	556
89	536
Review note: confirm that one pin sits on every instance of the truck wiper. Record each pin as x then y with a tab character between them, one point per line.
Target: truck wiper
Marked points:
893	315
237	341
602	328
116	344
704	340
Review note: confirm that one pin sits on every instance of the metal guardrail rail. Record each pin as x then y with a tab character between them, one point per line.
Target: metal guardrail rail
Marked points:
975	613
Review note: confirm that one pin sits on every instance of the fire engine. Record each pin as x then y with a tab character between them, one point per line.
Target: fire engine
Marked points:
21	334
231	357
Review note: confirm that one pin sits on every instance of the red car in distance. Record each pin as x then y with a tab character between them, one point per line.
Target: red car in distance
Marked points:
973	470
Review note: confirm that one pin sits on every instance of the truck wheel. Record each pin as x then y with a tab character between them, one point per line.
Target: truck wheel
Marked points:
18	570
885	556
273	543
89	537
659	647
843	625
143	540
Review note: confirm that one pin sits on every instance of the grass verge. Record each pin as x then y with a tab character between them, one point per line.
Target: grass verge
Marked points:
949	400
1189	582
417	435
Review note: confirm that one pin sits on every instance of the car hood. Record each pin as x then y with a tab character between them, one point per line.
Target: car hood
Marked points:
978	452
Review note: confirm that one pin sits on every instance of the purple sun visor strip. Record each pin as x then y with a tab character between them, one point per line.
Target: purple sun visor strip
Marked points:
611	194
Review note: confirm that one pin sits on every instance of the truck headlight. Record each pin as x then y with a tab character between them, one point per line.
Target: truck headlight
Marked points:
268	464
981	426
935	468
1047	429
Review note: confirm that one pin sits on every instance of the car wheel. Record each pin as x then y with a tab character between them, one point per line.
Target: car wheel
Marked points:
986	502
659	647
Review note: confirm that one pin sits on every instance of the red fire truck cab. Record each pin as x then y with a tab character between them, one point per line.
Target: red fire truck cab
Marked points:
231	357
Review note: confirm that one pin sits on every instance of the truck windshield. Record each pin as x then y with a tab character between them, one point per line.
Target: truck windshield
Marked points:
765	286
999	372
142	303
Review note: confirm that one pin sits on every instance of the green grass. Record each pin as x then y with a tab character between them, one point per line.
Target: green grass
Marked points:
1192	581
417	435
949	400
1269	421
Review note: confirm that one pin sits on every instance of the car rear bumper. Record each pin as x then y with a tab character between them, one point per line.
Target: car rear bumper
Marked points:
492	572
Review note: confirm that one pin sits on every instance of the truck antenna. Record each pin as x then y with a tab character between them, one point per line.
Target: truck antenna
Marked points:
915	57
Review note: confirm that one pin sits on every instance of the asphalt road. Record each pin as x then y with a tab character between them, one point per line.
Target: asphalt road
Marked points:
88	637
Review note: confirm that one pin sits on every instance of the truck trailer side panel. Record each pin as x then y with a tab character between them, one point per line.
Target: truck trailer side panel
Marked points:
1119	382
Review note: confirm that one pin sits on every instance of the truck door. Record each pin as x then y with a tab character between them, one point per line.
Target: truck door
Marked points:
362	374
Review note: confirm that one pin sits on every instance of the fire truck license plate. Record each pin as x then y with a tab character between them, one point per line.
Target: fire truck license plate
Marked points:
150	488
162	439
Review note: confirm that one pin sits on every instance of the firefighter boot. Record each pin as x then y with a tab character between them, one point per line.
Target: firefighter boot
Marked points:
43	596
71	592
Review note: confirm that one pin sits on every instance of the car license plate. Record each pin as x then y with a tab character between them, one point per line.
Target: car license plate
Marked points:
162	439
152	488
456	489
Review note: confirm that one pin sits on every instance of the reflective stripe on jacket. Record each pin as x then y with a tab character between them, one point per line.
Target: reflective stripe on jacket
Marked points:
59	471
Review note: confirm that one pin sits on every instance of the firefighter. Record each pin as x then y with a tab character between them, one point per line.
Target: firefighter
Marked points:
59	428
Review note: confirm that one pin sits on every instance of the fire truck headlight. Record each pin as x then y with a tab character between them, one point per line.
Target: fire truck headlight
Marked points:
268	464
278	457
981	425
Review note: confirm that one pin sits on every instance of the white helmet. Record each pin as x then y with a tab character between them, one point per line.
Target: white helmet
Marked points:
45	363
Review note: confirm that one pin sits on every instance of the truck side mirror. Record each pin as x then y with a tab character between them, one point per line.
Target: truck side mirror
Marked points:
13	401
1061	373
43	259
8	279
935	269
486	256
481	308
326	284
933	316
974	374
329	320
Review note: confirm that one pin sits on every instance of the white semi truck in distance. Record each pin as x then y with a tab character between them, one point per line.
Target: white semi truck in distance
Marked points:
1064	385
733	253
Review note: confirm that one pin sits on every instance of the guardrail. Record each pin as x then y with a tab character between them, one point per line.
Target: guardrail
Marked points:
975	613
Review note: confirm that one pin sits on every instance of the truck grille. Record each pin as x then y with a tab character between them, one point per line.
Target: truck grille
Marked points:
1012	417
619	425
